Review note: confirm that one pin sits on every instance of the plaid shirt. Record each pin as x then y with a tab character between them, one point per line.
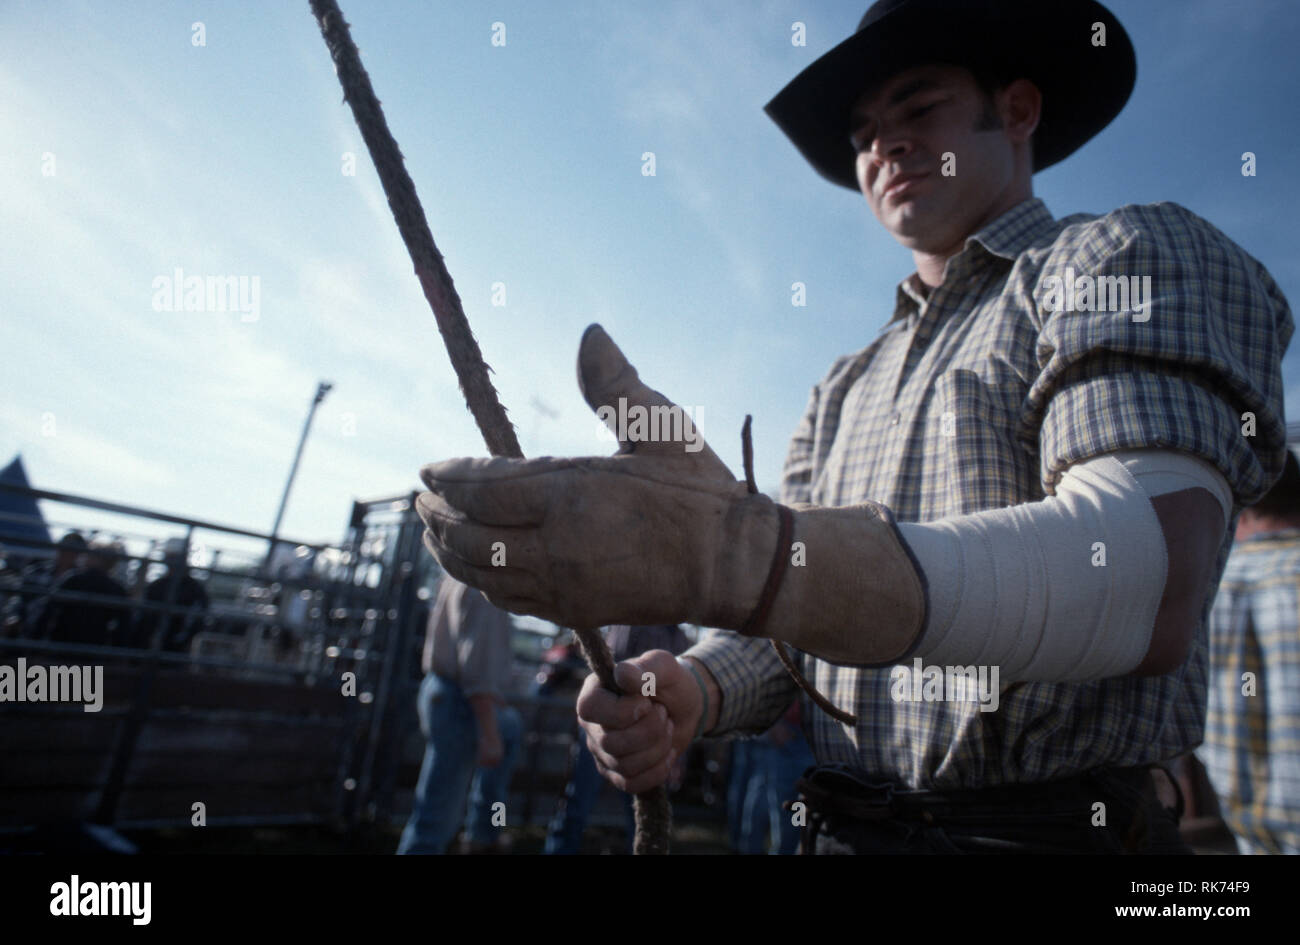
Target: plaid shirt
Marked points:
976	395
1252	741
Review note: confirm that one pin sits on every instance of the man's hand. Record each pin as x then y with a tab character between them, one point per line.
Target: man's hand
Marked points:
663	533
634	738
490	751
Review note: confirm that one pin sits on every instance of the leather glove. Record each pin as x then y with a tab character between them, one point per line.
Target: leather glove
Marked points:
662	532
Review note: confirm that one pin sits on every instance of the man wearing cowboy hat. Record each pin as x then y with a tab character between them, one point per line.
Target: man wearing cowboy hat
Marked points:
1001	522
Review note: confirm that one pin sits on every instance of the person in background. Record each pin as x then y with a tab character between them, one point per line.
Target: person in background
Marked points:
564	836
741	778
790	757
1251	751
25	610
99	624
472	735
189	593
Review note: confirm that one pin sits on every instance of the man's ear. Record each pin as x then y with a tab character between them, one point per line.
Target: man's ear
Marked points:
1020	106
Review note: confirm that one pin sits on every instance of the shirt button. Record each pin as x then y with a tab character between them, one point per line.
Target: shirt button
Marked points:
894	420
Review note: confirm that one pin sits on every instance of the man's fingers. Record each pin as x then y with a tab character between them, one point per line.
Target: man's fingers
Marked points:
510	589
614	390
656	776
627	675
497	491
483	546
663	664
601	707
635	750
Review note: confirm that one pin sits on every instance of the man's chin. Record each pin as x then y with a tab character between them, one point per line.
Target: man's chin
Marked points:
910	224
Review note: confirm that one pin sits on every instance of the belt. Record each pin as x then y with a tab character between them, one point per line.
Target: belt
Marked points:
833	792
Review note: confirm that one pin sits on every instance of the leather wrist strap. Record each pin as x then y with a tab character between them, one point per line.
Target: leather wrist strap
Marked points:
780	561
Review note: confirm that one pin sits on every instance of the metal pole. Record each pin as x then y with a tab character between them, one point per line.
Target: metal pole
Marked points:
322	389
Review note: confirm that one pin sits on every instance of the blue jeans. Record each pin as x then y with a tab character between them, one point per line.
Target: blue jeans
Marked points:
769	772
564	835
755	810
786	764
448	773
747	818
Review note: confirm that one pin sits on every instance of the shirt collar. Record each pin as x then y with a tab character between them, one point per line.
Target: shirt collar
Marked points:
1006	237
1016	230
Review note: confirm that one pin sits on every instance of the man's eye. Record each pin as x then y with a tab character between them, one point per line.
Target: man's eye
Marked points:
918	112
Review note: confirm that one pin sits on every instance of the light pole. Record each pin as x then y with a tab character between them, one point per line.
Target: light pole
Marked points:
323	388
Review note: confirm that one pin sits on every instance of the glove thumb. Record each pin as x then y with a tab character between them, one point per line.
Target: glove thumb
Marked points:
643	420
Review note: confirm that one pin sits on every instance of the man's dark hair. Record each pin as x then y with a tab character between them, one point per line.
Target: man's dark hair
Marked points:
1283	500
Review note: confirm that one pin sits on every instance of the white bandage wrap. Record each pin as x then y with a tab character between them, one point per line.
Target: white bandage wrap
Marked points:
1061	590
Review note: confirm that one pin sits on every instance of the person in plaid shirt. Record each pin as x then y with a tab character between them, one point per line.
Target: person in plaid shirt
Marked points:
1252	733
1001	523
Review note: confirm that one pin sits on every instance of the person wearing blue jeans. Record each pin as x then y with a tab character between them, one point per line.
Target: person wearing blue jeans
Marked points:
755	820
787	759
472	736
772	765
451	770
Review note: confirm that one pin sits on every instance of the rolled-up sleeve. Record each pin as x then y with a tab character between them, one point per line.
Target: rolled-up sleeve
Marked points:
1197	368
756	690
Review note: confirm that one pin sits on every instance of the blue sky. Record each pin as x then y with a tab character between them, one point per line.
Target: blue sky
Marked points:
227	159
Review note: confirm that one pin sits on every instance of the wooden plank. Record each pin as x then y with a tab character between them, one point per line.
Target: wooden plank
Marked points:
242	801
221	769
182	687
88	732
29	806
251	737
83	731
55	770
173	689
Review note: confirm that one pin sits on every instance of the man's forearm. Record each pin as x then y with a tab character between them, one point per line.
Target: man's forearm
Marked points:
1082	584
747	686
712	695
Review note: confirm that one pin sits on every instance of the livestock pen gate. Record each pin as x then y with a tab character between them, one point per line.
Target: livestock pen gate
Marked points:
279	708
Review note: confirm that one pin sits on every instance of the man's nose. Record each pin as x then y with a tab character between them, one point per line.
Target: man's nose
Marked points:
889	147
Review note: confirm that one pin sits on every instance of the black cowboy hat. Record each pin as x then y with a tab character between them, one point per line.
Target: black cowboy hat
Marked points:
1050	42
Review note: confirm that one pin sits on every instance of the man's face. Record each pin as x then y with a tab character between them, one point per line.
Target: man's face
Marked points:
903	128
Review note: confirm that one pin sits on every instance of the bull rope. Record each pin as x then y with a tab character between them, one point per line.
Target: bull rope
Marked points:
653	812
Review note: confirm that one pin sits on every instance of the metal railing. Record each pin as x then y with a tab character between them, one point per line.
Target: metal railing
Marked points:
347	608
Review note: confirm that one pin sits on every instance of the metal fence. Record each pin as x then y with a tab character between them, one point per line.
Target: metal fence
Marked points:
274	702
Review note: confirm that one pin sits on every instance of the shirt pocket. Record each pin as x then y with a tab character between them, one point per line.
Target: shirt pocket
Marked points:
979	461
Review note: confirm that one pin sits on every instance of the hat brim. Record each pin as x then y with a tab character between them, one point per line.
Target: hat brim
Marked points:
1084	86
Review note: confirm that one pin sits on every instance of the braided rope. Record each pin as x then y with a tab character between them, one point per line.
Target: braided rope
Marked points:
653	812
